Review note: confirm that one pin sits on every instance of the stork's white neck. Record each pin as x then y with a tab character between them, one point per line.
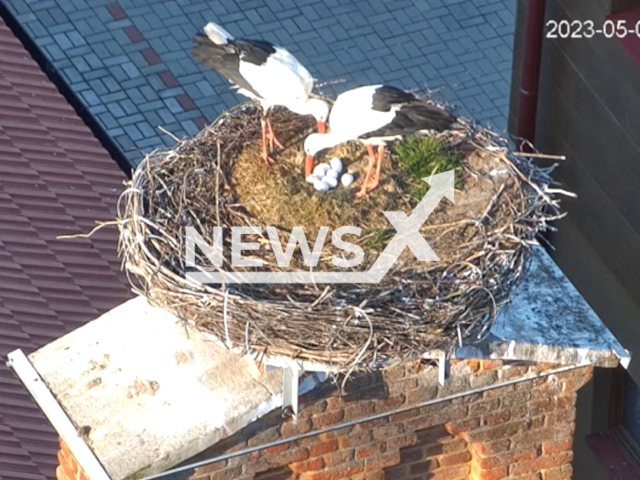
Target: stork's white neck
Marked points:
312	106
317	142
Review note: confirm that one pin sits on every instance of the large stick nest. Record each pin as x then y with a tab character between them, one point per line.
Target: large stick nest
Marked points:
418	307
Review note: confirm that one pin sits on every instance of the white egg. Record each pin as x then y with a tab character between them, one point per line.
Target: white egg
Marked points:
332	173
336	164
332	181
347	179
321	169
321	186
313	178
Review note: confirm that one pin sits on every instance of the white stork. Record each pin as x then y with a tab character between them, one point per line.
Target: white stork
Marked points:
264	72
375	115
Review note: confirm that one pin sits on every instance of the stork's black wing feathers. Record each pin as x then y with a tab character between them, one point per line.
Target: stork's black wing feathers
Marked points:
386	97
412	114
413	117
225	59
254	51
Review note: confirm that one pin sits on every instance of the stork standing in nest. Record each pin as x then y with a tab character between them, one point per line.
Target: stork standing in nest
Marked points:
375	115
263	72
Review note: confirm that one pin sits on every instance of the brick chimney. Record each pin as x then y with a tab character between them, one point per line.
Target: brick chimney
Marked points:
68	468
523	431
509	419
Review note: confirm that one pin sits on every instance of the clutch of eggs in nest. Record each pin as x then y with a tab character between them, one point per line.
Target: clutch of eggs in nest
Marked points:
325	176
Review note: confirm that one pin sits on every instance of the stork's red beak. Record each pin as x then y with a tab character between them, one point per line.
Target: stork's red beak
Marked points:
308	166
321	127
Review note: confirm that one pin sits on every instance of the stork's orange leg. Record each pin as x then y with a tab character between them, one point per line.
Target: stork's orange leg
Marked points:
308	166
367	175
265	154
376	178
272	137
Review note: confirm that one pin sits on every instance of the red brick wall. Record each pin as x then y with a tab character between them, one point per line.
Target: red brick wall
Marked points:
68	468
520	432
436	452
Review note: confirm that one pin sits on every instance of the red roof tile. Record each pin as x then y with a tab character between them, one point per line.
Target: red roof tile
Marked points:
55	178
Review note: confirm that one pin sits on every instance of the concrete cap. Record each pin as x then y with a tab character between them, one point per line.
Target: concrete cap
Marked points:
154	392
547	320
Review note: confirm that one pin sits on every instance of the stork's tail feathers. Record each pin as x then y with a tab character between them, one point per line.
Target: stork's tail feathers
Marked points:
453	122
446	121
433	117
217	34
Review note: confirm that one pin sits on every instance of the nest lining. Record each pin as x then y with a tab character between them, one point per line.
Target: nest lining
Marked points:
418	307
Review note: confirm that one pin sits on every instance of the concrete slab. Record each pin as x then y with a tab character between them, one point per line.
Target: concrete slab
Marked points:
153	392
547	320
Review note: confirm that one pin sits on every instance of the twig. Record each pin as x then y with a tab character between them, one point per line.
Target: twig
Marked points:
359	311
225	318
93	230
218	185
167	132
540	155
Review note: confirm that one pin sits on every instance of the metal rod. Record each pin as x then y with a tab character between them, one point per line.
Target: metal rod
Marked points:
362	420
56	415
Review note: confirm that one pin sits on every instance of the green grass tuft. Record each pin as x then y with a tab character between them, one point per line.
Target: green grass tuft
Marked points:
424	156
380	238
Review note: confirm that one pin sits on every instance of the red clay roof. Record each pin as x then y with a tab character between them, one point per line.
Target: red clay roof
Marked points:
55	178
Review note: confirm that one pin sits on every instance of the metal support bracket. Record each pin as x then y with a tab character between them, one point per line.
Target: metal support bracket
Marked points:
291	379
443	368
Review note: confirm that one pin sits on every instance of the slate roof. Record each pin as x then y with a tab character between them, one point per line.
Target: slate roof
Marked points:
129	62
55	178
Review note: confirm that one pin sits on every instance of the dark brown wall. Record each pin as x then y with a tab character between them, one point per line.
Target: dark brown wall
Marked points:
589	110
589	99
